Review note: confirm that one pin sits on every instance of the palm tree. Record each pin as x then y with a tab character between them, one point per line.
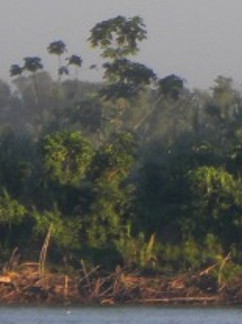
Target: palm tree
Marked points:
76	61
33	64
57	48
15	70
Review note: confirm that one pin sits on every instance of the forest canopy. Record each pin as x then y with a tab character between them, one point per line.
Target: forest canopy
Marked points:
137	170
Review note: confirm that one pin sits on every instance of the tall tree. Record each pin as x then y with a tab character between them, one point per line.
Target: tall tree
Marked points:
67	156
118	39
58	48
15	70
76	61
32	64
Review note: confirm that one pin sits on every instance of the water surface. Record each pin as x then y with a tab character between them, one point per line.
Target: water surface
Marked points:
120	315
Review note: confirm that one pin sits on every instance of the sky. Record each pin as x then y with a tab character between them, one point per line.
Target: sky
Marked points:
194	39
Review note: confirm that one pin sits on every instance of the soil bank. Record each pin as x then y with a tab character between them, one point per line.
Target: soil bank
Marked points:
28	285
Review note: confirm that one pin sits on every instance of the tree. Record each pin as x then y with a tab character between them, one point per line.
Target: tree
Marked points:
113	194
15	70
221	114
216	205
76	61
172	86
65	230
126	78
67	157
118	38
169	87
32	64
58	48
13	221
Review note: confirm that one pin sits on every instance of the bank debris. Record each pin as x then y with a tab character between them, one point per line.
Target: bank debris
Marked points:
92	286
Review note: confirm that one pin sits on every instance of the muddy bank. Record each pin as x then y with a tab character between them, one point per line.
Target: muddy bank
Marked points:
27	285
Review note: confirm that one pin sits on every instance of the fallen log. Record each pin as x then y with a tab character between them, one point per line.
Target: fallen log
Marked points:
198	299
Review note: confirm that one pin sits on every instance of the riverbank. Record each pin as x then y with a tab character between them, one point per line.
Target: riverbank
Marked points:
28	285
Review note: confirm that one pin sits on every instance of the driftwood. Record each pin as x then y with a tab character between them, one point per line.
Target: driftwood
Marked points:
191	299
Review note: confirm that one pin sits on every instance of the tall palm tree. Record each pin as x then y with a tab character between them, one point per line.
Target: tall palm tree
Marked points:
76	61
33	64
58	48
15	70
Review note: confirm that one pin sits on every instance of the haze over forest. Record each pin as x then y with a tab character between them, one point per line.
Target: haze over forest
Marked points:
137	171
197	40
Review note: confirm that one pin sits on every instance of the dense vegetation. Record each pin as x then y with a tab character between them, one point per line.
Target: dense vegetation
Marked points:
136	171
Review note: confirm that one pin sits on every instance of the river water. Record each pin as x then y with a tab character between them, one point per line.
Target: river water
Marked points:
120	315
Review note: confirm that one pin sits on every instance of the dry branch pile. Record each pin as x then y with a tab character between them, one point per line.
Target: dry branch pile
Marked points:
29	285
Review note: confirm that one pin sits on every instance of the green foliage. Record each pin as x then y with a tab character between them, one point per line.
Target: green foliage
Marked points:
75	60
137	251
118	37
57	47
126	79
32	64
190	254
67	156
15	70
217	203
14	223
211	180
16	158
115	159
171	86
64	231
12	211
63	70
113	195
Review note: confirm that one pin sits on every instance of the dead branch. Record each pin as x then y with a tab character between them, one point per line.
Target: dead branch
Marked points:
222	265
43	252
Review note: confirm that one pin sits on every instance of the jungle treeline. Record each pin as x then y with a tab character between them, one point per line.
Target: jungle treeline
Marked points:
134	171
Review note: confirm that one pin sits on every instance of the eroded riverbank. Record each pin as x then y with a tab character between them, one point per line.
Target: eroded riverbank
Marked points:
28	285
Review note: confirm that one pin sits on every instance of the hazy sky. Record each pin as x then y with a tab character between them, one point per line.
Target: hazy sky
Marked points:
195	39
